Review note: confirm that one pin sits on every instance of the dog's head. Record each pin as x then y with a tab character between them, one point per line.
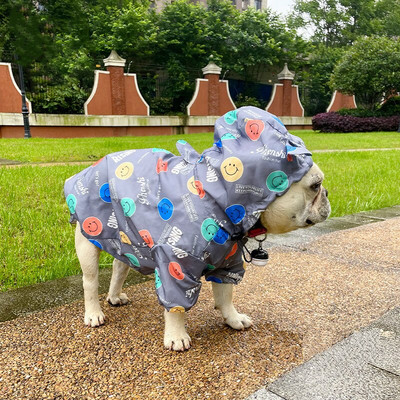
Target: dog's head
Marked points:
304	204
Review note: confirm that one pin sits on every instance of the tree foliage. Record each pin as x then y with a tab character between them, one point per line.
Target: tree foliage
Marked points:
333	22
370	70
333	27
62	41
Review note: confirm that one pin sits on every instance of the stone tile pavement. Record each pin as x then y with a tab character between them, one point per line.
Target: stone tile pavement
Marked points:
327	326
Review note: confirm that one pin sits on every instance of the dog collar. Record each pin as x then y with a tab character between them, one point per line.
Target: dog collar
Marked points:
257	230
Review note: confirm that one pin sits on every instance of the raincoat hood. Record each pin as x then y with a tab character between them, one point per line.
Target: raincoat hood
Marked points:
256	159
185	216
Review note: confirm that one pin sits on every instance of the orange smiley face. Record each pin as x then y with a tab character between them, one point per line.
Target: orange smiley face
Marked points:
196	187
145	235
162	166
92	226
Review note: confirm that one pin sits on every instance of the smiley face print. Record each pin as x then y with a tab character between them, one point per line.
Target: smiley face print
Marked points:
221	236
157	279
177	309
105	193
254	128
96	243
277	181
232	169
145	235
230	117
124	238
162	166
165	209
124	171
209	229
128	206
133	259
196	187
235	213
175	270
92	226
71	202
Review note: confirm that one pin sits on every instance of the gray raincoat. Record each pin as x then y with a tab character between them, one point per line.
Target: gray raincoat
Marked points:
182	217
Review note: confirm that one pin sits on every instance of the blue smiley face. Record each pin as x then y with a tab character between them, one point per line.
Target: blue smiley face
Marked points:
96	243
105	193
165	209
235	213
213	279
221	236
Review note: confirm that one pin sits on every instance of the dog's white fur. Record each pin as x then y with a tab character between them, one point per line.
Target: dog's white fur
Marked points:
303	205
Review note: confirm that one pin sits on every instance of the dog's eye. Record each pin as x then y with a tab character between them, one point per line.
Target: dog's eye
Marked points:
316	186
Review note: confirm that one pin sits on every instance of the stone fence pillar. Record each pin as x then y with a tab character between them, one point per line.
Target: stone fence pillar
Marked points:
340	100
114	92
285	100
10	94
211	95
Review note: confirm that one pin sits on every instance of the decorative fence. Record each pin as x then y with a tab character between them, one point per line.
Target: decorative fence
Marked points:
116	107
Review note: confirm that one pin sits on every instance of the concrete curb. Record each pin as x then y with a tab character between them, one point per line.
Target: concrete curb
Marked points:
366	365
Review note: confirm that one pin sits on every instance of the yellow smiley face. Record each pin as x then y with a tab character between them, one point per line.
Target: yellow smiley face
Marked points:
177	309
124	170
232	169
124	238
191	185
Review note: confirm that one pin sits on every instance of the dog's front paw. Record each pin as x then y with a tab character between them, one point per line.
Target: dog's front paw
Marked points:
94	319
177	342
120	300
239	321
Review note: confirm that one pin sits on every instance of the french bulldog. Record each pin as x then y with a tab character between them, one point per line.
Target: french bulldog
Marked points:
186	217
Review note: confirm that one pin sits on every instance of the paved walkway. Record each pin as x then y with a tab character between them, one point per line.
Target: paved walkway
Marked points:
326	326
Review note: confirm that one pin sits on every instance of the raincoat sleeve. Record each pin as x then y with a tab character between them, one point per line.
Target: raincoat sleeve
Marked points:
232	270
177	280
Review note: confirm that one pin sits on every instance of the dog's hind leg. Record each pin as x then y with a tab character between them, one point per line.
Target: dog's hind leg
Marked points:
120	272
88	255
223	295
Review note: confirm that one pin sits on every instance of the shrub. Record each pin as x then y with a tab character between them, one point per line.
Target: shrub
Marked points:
334	122
391	106
359	112
243	100
160	105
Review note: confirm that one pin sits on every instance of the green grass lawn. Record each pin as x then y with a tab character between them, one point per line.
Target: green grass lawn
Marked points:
90	149
37	240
